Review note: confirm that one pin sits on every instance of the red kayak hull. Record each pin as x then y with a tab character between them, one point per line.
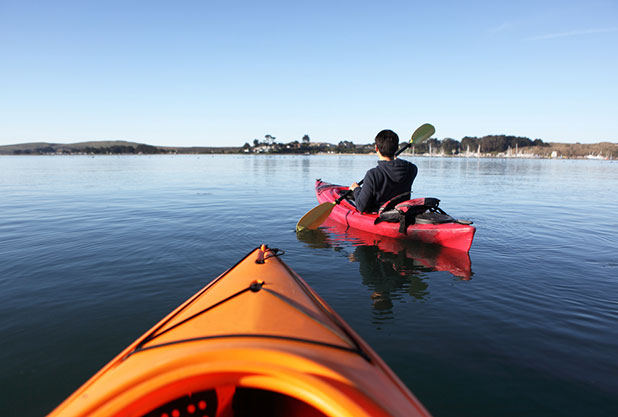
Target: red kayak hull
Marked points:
450	235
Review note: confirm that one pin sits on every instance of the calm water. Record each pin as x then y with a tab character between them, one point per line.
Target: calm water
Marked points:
94	251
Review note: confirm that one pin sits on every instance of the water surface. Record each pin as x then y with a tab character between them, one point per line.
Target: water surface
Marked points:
95	250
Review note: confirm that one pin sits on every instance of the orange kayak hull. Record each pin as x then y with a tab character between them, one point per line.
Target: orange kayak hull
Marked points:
257	336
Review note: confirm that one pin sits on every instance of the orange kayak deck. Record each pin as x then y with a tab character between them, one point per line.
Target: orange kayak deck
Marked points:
255	341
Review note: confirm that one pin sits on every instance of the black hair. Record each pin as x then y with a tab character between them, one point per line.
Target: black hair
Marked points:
387	142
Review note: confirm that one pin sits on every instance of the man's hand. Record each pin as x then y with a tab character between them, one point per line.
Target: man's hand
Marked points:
354	185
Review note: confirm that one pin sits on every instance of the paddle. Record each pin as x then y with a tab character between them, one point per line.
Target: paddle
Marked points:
316	216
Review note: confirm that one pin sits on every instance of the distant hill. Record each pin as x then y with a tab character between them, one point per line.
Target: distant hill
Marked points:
105	147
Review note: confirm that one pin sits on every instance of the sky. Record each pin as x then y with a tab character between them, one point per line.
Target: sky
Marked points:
222	73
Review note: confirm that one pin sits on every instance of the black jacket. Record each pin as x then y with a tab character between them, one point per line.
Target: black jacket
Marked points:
387	180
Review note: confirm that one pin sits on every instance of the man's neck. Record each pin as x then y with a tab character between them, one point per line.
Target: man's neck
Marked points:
382	157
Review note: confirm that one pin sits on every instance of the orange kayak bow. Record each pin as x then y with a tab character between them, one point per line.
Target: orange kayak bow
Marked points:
255	341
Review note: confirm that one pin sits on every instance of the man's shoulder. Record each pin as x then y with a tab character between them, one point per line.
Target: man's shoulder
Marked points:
395	164
407	163
404	161
372	172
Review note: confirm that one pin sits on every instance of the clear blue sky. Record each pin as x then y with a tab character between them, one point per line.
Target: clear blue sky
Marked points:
225	72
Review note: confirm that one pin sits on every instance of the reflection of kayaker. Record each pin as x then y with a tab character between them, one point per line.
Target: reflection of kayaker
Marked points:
390	267
388	275
255	341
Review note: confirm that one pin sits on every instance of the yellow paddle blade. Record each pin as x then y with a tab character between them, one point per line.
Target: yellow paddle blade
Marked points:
315	217
423	132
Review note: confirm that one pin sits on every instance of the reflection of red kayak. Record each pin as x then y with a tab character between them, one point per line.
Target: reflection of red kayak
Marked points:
451	235
430	256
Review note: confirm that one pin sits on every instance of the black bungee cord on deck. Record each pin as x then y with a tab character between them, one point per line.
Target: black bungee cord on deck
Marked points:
257	286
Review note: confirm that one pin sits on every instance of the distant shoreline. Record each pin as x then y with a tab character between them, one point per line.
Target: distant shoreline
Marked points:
499	147
409	155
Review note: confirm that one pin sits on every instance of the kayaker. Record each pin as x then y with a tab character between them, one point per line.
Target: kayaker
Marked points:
390	178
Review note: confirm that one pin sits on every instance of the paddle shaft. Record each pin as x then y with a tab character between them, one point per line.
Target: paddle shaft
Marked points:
348	192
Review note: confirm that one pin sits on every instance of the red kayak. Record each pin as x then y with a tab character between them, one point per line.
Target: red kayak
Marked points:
451	235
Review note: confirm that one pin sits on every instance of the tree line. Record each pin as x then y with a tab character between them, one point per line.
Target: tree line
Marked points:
447	146
485	144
